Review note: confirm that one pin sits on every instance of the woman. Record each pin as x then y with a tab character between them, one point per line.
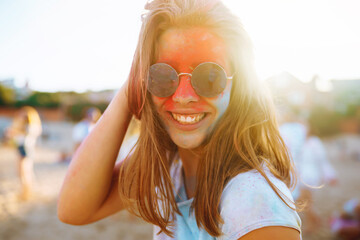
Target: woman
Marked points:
24	131
209	162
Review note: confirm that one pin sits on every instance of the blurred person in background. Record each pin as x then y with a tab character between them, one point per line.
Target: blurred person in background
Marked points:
346	225
84	127
81	130
23	133
311	163
209	162
315	171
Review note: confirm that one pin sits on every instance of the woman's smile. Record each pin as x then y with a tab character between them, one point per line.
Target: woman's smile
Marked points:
188	118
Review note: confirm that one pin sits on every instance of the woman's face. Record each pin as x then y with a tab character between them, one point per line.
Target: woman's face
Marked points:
188	117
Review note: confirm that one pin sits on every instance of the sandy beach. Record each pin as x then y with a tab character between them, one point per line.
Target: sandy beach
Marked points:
36	218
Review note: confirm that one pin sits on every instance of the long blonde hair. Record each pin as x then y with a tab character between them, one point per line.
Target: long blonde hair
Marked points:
245	138
27	122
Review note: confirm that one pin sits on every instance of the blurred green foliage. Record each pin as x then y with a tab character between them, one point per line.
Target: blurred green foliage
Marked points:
323	121
326	122
7	96
73	104
77	111
40	99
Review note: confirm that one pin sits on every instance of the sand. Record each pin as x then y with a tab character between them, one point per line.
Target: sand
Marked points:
36	218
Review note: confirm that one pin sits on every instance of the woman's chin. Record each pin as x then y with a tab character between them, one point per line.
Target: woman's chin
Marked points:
188	142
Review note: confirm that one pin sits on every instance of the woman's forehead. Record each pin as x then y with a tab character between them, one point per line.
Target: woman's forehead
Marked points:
192	46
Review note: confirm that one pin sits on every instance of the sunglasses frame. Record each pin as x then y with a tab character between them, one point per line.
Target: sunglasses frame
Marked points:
190	74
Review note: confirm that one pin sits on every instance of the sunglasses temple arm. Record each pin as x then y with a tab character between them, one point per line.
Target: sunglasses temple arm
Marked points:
231	77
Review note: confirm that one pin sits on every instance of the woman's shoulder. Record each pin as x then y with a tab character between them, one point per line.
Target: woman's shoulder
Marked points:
248	202
252	182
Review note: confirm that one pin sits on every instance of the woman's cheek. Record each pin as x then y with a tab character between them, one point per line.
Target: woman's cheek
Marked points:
223	100
223	103
158	101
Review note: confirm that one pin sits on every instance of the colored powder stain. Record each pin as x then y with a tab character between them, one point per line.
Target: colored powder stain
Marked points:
274	207
184	49
199	106
185	90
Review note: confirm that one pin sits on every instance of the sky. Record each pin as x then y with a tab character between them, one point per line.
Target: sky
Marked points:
80	45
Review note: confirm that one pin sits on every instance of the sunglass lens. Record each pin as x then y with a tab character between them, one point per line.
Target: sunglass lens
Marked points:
163	80
208	79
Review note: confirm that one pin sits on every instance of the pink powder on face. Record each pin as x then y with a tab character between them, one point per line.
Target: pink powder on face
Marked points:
185	89
199	106
184	49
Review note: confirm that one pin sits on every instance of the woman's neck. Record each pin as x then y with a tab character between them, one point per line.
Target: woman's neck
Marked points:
190	160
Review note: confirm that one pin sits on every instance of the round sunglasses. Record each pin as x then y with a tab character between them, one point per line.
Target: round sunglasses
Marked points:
208	79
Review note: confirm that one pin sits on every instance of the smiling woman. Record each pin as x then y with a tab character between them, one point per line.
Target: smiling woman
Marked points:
209	162
185	114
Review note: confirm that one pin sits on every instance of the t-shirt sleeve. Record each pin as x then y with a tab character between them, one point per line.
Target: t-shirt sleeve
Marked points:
248	202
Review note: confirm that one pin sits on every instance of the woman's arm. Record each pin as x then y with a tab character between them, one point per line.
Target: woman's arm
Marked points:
270	233
89	191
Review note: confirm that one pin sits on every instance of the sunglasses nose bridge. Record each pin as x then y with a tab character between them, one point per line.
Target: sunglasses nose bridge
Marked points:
184	74
185	92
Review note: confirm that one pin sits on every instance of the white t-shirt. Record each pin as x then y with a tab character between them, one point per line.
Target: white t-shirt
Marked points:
247	203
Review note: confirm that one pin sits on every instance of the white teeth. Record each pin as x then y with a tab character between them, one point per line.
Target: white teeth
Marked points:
188	119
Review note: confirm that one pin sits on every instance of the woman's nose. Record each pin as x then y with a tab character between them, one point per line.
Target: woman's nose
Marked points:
185	93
